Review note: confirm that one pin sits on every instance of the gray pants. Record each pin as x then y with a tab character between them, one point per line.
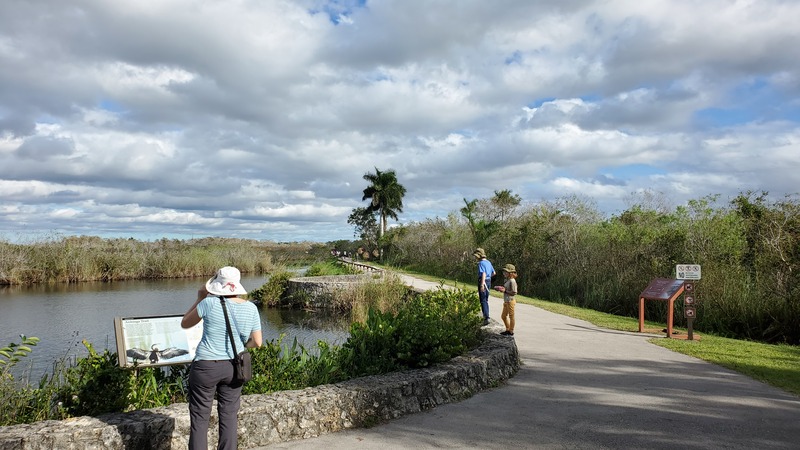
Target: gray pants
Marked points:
207	378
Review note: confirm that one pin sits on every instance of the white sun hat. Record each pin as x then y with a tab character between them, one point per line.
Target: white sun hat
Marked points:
226	282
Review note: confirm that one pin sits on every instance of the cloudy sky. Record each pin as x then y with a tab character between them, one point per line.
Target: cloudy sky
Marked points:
258	119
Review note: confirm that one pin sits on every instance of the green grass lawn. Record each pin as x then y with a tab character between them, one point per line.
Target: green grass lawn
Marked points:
777	365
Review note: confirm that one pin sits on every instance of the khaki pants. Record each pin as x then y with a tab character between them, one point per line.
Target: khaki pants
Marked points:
508	315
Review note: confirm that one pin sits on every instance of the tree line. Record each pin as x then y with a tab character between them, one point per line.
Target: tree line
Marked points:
566	251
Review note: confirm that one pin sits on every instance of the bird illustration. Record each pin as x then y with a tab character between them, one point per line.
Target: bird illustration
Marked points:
154	354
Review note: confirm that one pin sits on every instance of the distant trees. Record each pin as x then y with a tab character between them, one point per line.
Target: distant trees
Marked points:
484	217
566	250
366	227
481	228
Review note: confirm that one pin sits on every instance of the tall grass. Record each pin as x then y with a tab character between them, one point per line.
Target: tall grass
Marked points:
384	294
75	259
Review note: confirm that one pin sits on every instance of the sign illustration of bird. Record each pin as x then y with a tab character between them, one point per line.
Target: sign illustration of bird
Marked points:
154	354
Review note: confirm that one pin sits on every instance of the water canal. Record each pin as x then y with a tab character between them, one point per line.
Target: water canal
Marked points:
62	315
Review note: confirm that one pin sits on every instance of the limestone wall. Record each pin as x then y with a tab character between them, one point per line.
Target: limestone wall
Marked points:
319	290
288	415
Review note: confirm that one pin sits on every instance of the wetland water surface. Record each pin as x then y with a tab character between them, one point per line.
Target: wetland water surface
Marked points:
62	315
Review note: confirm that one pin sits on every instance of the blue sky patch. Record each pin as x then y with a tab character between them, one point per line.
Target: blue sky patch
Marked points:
631	171
540	101
515	57
721	117
756	100
339	9
111	105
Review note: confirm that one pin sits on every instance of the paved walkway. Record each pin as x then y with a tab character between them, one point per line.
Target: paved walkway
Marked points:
583	387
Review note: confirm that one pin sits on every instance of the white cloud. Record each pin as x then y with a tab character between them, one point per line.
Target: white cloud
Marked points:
259	119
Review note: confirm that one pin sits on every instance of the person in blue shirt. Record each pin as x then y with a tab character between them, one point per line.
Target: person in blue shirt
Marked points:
485	274
211	371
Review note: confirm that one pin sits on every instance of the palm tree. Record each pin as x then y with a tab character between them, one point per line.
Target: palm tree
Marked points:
385	195
481	229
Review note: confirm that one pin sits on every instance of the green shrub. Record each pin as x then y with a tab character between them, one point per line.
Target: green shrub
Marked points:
21	403
370	349
432	327
95	385
436	326
272	292
277	367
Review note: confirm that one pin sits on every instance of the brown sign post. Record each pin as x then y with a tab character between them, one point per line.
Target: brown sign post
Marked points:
690	273
689	312
665	289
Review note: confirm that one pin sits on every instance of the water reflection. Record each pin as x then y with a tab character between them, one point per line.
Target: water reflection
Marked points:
307	326
62	315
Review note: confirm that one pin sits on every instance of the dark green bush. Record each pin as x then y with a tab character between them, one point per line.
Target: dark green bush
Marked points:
278	368
371	347
436	326
272	292
432	327
95	385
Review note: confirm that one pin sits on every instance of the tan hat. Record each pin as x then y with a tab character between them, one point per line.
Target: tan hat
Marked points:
479	253
509	268
226	282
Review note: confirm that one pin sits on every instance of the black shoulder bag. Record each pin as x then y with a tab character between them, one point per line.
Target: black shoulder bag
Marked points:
242	365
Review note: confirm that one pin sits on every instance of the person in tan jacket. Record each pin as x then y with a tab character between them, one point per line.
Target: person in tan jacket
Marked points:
509	290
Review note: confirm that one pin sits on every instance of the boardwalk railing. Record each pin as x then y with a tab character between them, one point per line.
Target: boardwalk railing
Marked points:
361	267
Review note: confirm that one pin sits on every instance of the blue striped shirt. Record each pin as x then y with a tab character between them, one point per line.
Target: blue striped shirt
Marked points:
215	343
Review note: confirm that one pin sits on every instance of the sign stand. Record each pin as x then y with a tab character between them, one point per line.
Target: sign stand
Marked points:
661	289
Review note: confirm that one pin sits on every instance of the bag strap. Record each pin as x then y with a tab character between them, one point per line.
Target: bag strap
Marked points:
228	325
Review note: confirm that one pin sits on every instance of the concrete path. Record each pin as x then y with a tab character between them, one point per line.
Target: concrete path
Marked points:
583	387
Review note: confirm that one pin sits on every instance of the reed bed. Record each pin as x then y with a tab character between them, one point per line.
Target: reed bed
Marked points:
84	258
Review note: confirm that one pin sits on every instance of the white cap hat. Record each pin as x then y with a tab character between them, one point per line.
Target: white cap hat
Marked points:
226	282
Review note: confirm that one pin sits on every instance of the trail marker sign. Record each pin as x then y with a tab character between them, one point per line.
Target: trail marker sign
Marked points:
687	271
689	300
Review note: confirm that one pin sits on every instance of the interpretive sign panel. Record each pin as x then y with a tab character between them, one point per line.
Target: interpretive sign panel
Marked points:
155	340
661	289
666	289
